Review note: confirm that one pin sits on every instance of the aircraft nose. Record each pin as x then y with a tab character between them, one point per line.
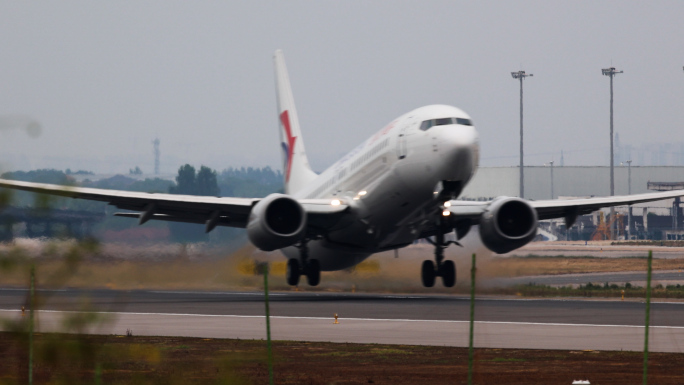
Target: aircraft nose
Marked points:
458	148
456	138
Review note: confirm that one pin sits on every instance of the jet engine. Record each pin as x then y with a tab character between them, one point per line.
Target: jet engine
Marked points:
275	222
507	224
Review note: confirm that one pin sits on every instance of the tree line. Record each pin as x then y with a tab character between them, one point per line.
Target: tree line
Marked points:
235	182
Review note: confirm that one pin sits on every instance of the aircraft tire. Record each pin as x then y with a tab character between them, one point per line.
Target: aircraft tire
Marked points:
428	273
313	272
448	273
292	274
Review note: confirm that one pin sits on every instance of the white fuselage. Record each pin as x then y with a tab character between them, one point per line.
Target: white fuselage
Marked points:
389	182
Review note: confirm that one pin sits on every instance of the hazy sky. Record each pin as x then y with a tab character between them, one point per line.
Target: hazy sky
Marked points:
105	78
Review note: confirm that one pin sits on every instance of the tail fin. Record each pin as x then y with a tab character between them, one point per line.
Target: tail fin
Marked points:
296	169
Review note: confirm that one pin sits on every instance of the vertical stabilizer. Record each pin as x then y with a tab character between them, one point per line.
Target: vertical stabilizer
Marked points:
296	169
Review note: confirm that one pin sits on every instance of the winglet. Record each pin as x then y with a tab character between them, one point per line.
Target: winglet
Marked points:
296	170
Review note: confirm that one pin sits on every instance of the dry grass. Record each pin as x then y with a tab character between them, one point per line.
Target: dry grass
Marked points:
523	266
201	268
197	268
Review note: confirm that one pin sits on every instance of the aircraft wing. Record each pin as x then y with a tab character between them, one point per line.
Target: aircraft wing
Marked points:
211	211
558	208
563	208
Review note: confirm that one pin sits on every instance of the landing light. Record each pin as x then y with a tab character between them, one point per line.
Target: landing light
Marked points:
335	202
363	192
447	204
446	213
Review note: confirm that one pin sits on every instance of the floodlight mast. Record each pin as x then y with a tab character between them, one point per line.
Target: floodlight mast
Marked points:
521	75
611	72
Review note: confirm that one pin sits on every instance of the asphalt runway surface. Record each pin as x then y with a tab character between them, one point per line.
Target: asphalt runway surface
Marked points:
367	318
637	278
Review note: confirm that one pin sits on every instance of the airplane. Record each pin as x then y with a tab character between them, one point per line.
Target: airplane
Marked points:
398	186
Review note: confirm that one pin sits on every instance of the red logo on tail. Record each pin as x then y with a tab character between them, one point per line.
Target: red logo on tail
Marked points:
288	148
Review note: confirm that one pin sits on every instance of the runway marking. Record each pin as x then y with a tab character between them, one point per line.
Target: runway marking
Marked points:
345	295
352	319
24	289
213	293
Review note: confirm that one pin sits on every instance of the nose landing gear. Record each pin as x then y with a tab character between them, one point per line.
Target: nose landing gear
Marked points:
310	268
440	268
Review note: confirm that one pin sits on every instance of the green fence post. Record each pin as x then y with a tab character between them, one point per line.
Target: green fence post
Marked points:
472	322
268	327
648	315
98	374
32	303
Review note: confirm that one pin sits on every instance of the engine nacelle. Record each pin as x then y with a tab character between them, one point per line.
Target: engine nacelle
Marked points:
507	224
275	222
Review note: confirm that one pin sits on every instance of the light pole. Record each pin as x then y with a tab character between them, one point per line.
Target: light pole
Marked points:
611	72
521	75
551	164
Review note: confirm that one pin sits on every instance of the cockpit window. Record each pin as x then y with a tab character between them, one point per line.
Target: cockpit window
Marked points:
464	122
427	124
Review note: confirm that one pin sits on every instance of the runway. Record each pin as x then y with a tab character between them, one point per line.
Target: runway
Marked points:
637	278
365	318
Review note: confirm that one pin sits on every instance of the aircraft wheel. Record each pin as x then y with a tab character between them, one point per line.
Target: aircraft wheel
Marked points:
313	272
448	273
428	273
292	273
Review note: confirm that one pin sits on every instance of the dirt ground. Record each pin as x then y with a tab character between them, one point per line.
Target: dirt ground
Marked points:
73	359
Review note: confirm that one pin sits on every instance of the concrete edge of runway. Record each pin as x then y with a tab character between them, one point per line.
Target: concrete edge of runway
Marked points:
513	335
341	318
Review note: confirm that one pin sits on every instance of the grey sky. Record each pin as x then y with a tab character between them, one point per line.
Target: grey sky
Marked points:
103	78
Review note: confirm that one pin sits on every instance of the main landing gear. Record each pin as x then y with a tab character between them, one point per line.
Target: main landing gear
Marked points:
310	268
440	268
